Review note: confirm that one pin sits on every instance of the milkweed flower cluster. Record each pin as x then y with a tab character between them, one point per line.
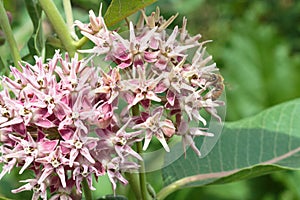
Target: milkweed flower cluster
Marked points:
63	119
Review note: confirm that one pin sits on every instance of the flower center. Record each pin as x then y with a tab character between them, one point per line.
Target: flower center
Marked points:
49	99
75	115
36	188
84	174
28	150
74	83
4	112
78	144
120	141
40	81
24	111
55	163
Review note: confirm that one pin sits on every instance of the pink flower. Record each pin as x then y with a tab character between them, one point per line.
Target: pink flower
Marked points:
157	127
142	88
54	162
77	145
39	189
133	51
119	141
188	133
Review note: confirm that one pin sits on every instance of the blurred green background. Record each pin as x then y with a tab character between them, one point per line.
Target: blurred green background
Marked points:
256	45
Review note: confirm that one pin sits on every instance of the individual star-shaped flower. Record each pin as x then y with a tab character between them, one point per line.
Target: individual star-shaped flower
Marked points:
79	144
133	52
188	133
142	88
39	189
154	125
28	150
54	162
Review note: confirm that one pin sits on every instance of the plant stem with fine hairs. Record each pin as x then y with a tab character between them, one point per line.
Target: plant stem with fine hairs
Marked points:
59	25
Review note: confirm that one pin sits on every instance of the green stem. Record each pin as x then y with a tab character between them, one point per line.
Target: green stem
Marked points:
69	15
59	25
4	23
134	181
86	190
143	182
81	42
166	191
142	174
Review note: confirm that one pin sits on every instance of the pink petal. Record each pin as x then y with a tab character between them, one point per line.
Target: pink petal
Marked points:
151	56
161	63
147	140
61	173
14	121
160	87
162	140
28	161
129	150
85	152
47	171
171	97
45	123
152	96
124	64
73	155
47	146
66	134
168	128
25	187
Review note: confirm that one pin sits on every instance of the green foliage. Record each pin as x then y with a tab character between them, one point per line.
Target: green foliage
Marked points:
251	147
118	10
36	41
259	70
112	197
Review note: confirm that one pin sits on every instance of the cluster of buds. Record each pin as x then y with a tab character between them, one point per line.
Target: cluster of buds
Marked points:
69	120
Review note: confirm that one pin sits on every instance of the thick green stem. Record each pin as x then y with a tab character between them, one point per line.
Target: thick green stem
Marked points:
4	23
86	190
134	181
142	175
143	182
69	16
59	25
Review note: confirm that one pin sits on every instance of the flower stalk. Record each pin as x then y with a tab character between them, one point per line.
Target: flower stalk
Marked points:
4	23
139	150
86	190
59	25
142	174
69	17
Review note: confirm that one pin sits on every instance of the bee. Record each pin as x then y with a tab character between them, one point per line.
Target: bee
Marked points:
217	82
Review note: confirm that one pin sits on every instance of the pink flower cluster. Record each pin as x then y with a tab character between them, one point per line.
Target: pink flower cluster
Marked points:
69	121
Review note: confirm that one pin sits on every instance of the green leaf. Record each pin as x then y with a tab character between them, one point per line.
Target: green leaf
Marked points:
267	142
36	41
35	12
113	197
120	9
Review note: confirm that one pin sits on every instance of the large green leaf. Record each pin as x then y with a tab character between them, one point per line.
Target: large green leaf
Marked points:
120	9
251	147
